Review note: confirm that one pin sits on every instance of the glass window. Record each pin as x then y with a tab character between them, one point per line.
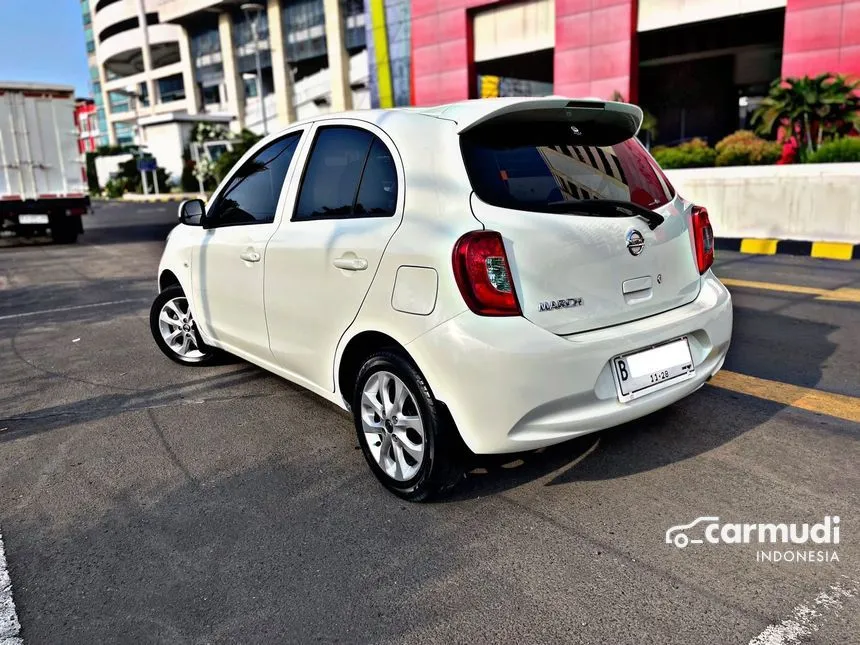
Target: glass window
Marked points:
350	173
171	88
537	166
251	196
211	95
124	133
119	102
377	195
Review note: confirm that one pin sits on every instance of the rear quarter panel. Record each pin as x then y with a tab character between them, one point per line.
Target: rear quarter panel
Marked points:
436	214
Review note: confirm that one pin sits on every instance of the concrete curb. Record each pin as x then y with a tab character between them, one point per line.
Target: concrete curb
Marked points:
827	250
167	197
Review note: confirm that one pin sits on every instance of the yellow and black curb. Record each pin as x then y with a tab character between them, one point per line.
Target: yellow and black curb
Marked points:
828	250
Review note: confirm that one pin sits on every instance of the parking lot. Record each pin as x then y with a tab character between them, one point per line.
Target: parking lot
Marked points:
142	501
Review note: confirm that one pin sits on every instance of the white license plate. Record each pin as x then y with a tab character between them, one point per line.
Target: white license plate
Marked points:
32	219
649	370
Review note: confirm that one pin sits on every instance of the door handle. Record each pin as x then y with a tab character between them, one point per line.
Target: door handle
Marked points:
250	256
351	264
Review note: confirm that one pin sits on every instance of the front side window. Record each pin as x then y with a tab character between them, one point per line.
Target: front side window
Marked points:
251	196
539	166
350	173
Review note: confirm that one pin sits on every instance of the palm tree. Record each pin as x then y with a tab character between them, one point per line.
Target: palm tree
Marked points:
810	108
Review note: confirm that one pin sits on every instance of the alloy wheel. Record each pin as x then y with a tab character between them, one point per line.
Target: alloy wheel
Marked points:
176	326
392	426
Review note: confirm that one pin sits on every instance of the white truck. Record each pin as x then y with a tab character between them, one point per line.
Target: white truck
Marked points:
42	180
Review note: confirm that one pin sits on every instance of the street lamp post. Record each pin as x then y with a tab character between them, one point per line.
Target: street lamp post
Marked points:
257	8
135	96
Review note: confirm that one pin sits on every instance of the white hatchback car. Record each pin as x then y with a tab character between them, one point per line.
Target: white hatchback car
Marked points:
505	274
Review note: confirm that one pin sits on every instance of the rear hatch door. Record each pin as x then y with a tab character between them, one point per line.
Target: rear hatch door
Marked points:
594	233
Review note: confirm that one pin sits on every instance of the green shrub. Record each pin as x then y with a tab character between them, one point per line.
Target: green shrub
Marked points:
691	154
92	175
116	188
744	148
226	161
836	151
188	181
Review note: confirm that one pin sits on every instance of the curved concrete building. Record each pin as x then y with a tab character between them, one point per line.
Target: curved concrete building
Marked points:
138	64
256	65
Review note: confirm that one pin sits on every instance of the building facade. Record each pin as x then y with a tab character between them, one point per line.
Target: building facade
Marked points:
698	66
255	65
87	125
100	133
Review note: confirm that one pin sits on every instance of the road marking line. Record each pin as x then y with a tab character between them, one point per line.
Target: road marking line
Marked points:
59	309
838	295
827	403
761	247
802	622
832	250
9	625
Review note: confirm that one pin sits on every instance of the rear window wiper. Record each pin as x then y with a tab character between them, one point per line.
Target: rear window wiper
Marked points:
608	208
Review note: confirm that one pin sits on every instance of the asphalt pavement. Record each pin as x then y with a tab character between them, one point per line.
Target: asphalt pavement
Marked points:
142	501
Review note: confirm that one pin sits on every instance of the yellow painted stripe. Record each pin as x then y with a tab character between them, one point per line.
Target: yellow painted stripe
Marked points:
804	398
832	250
835	295
489	87
762	247
380	48
842	295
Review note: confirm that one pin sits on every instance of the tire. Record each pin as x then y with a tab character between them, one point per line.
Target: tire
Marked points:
173	303
63	230
389	441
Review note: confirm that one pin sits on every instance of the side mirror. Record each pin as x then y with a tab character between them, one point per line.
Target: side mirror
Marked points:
191	212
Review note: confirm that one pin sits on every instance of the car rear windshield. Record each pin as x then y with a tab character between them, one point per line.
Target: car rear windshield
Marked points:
538	166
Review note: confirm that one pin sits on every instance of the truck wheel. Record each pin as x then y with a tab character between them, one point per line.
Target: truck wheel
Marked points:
65	229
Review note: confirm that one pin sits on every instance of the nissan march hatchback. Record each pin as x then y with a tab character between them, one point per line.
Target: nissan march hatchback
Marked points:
488	276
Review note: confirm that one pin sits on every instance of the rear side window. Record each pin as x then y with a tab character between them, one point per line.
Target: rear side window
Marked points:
540	165
350	173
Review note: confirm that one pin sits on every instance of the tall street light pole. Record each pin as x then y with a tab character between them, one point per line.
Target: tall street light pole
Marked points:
257	9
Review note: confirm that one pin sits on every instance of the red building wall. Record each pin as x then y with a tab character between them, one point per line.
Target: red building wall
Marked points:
86	138
594	47
821	36
441	50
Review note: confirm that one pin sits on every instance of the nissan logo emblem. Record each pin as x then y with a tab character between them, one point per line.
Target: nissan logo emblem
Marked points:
635	242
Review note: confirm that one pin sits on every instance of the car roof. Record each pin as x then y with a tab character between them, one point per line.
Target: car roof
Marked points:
465	114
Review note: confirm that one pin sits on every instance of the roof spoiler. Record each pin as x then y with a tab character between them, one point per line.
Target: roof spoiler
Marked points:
625	116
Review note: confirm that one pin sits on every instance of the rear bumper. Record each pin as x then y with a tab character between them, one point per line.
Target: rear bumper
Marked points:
511	385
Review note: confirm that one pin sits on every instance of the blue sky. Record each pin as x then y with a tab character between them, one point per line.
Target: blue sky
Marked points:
43	40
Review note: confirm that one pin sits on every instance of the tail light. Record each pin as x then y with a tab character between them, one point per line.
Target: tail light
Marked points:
483	274
703	236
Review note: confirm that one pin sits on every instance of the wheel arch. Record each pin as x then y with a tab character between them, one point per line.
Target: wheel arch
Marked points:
167	278
356	350
366	343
